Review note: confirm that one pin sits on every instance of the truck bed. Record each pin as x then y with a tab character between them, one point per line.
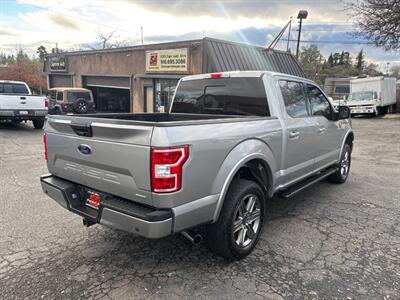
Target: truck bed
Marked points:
156	119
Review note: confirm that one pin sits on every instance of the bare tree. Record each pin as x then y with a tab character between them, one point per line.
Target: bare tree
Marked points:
378	21
105	39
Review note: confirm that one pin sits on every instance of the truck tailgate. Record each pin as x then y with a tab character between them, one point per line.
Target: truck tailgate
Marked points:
21	102
112	158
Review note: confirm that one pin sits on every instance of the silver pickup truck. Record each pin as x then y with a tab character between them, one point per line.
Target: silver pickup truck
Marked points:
229	142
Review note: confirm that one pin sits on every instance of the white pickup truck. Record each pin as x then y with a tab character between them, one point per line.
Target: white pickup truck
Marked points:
18	104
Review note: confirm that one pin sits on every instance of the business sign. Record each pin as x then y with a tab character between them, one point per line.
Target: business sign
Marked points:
171	60
58	63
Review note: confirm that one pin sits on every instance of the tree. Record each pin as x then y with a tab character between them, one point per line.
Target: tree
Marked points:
341	59
310	60
372	70
395	71
41	51
105	39
360	62
330	61
377	21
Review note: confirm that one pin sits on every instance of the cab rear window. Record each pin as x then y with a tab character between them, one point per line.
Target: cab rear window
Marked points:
13	88
222	96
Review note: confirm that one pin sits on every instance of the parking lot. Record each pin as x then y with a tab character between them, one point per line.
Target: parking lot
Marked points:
329	241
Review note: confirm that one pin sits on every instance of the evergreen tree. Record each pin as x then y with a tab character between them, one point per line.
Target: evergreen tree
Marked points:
360	62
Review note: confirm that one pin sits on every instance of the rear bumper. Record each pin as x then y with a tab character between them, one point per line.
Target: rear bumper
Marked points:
113	212
22	114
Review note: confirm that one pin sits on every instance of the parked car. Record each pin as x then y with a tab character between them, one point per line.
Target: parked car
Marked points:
17	104
70	100
229	142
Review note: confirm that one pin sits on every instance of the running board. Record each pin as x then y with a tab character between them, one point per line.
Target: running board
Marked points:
306	183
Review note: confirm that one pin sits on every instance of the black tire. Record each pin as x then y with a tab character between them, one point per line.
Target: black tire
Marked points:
236	242
81	106
38	123
340	176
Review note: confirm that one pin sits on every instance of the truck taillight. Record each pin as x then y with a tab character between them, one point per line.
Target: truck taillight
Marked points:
46	102
45	146
166	168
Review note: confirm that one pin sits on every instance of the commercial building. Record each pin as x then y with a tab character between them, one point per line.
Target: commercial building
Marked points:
143	78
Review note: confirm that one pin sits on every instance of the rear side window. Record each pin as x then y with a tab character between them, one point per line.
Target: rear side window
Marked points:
73	96
319	104
52	95
222	96
60	96
13	88
294	98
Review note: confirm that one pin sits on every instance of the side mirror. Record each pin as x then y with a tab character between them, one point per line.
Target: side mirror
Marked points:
343	113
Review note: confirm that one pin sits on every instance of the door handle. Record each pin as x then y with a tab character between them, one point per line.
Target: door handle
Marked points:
294	134
23	102
22	98
321	129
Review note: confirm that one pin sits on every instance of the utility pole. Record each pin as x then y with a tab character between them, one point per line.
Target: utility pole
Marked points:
302	15
290	29
141	33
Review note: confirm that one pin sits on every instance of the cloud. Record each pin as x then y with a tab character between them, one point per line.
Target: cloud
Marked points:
6	32
63	21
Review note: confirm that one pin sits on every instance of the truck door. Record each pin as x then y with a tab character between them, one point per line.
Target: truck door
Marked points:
300	131
329	133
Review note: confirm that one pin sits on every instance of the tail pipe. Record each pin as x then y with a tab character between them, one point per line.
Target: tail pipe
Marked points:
193	237
87	222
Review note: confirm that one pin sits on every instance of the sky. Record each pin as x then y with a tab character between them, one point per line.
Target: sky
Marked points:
75	24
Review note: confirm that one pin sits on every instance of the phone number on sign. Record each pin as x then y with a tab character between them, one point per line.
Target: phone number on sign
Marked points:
174	61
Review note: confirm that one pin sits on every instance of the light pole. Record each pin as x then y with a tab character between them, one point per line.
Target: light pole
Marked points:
302	15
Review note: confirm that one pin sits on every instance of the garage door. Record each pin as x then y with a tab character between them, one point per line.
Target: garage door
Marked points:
111	99
60	81
111	94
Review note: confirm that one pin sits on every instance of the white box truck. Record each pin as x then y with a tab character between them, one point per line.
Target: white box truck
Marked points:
372	95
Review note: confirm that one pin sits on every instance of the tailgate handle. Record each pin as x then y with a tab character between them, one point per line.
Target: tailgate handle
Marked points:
82	130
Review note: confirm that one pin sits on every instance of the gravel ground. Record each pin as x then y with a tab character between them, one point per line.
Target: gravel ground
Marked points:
328	242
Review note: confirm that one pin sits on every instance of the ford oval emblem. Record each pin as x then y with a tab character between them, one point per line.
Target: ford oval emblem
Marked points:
84	149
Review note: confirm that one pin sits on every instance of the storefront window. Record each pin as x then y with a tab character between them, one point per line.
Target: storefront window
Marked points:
164	89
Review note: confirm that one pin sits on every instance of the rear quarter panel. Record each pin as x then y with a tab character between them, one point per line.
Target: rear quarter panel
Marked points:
215	150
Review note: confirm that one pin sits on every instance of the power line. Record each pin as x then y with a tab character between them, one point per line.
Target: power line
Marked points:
331	42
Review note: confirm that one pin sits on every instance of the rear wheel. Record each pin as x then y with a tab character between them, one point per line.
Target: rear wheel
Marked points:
340	176
38	123
81	106
238	228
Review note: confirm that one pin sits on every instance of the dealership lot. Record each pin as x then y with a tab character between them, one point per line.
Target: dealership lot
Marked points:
330	241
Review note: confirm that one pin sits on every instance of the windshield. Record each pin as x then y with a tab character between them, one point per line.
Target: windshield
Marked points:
361	96
222	96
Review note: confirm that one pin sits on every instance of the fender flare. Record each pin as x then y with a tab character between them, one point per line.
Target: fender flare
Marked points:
244	152
348	133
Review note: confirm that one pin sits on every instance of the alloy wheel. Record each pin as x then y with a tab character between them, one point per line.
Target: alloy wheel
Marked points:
247	221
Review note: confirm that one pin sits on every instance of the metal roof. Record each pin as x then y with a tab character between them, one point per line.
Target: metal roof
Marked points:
222	56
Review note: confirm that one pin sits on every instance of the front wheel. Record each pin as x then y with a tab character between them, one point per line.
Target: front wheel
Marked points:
238	228
38	123
342	173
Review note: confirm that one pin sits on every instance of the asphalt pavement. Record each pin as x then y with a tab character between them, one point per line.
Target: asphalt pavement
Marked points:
328	242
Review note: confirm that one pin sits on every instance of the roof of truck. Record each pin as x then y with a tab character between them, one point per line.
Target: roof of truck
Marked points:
12	81
242	74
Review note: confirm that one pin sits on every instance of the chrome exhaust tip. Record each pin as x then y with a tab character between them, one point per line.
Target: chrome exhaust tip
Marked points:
193	237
